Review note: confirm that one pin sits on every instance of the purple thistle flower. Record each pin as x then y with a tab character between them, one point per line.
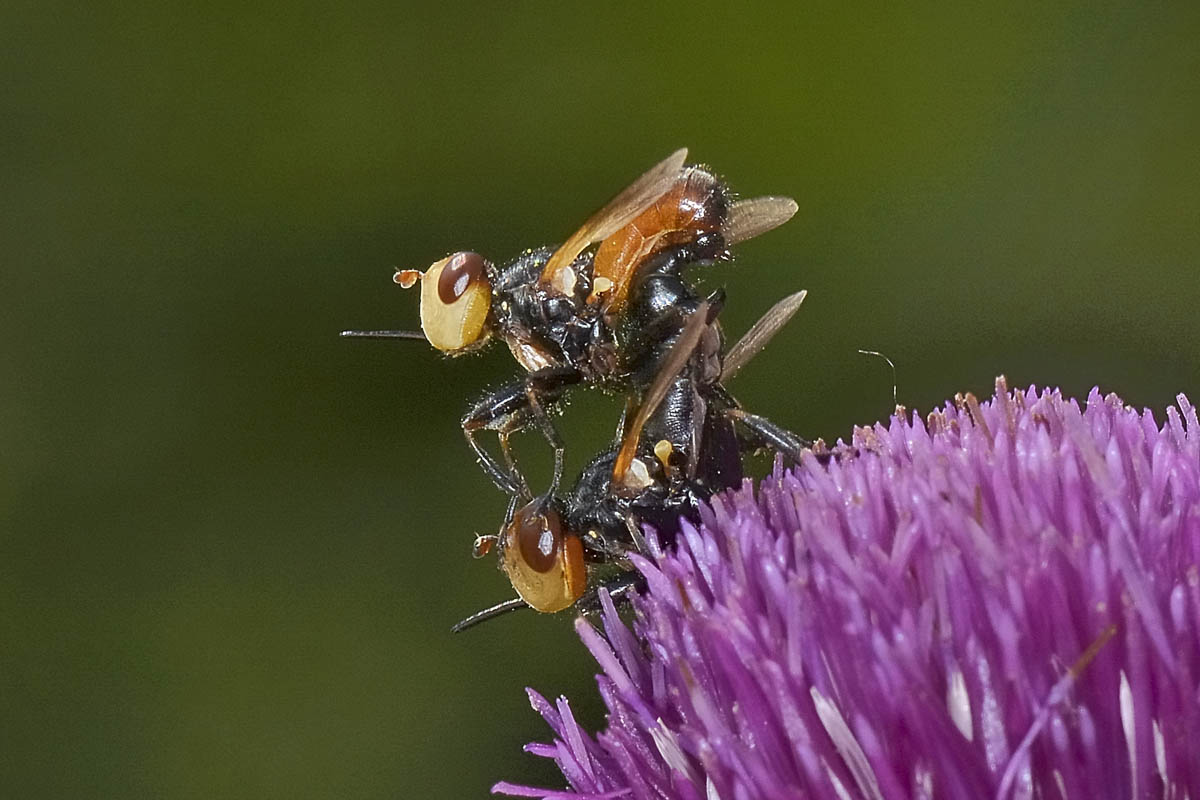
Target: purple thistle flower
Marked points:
1002	601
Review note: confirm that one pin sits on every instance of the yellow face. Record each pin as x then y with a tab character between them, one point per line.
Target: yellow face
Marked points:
544	564
455	300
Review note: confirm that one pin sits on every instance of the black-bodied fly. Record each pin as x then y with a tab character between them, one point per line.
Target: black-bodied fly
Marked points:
604	308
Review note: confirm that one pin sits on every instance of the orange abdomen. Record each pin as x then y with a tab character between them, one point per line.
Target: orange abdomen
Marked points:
695	204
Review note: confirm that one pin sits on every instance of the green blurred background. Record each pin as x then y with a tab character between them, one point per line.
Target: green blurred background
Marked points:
232	545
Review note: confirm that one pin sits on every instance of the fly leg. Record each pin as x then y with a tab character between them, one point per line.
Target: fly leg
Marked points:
619	587
539	385
511	462
761	432
487	414
607	549
511	408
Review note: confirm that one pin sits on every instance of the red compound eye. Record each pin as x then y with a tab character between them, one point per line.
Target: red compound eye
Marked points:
544	563
538	537
456	298
461	271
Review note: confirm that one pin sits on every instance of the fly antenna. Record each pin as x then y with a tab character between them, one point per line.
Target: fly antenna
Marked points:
488	613
890	364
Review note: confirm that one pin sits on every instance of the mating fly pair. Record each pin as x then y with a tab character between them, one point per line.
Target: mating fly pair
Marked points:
620	316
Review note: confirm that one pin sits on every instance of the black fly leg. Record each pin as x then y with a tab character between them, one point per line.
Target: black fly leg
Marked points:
511	408
511	462
509	484
618	587
538	386
761	432
609	549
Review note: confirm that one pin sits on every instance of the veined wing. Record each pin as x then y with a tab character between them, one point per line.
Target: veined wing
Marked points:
761	332
755	216
616	214
674	363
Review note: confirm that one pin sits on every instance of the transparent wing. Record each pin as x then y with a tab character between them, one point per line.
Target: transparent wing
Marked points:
618	213
757	215
761	332
681	351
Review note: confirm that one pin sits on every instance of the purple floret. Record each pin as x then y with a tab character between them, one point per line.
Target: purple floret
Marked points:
1001	600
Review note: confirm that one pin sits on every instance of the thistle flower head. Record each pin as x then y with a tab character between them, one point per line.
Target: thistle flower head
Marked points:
1001	600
